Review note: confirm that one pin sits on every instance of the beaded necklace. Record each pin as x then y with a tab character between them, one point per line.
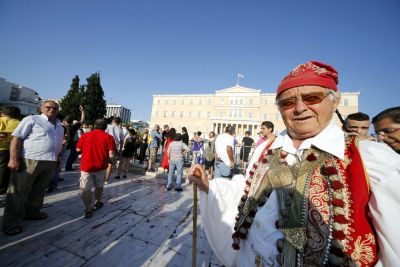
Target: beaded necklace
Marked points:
272	173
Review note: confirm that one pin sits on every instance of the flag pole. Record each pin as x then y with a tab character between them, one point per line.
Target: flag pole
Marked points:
194	225
237	80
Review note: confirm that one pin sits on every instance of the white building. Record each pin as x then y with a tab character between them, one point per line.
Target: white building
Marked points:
26	99
238	106
115	110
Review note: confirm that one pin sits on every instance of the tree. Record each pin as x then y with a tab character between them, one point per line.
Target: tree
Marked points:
70	103
95	105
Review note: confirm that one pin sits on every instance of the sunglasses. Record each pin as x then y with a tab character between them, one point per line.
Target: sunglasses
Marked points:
307	99
53	108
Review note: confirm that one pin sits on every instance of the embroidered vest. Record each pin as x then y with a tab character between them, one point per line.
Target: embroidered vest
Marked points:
323	207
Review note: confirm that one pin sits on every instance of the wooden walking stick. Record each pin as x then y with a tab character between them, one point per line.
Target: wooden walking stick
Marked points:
197	174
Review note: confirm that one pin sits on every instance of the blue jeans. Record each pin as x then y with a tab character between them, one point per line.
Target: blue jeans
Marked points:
221	170
178	165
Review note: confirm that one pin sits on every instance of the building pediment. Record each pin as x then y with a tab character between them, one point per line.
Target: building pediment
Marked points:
238	90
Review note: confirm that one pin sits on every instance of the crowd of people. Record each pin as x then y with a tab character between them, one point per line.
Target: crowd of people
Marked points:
314	194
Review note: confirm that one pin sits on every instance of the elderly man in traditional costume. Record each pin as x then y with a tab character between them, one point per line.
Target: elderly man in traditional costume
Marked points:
314	197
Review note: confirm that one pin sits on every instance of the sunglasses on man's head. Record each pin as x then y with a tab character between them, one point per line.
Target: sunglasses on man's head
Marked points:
307	99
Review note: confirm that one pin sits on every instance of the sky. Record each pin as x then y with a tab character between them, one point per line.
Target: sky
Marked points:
148	47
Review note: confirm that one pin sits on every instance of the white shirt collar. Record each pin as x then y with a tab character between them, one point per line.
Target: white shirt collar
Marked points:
330	140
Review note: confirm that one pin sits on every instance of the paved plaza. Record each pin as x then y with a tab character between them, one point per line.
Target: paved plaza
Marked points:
141	224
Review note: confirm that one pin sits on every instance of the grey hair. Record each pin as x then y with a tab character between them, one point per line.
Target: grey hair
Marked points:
334	95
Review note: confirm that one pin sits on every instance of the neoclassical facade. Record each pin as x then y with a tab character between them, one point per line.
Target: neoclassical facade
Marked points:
244	108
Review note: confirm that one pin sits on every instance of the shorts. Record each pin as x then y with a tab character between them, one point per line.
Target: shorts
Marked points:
209	164
153	154
89	180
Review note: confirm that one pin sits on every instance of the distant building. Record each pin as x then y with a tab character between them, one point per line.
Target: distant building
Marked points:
139	124
13	94
114	110
242	107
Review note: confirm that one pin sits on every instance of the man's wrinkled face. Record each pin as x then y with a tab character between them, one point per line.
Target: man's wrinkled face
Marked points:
306	110
358	127
49	109
388	132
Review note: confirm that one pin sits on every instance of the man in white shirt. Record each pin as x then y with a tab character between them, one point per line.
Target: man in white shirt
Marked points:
114	129
224	163
314	198
34	153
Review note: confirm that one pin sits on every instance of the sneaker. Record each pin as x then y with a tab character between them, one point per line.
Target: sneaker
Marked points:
117	177
51	189
169	188
123	176
179	189
3	191
88	214
105	182
60	179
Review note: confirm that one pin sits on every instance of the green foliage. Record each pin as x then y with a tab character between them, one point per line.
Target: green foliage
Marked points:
90	96
95	105
70	103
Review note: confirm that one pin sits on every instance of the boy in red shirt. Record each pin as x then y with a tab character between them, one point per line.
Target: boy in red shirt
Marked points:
98	150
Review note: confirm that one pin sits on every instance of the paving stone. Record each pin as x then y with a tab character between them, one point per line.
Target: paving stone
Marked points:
20	250
141	224
125	251
49	256
99	233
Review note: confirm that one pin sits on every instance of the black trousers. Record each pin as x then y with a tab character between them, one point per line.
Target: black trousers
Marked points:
73	155
4	170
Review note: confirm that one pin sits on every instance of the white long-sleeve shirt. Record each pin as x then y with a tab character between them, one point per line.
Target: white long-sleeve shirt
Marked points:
219	206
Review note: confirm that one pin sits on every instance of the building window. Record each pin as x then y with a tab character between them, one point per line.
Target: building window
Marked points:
190	114
181	115
174	102
277	116
172	114
191	101
265	116
158	101
266	102
157	114
222	101
250	115
183	102
221	114
208	115
199	114
200	102
346	102
165	114
241	101
166	102
209	101
251	101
